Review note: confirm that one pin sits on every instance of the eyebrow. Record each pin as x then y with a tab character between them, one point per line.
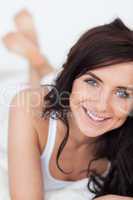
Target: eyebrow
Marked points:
97	78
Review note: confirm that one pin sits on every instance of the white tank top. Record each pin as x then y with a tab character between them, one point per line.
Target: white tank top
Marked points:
51	183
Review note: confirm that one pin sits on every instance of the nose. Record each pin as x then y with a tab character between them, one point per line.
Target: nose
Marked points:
104	101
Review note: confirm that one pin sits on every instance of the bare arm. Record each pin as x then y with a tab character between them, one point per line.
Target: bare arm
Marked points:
25	176
114	197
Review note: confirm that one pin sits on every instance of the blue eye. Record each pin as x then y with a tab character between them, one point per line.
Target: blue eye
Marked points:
91	82
123	94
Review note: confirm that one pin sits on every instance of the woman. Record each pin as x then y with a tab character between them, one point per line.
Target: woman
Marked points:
81	127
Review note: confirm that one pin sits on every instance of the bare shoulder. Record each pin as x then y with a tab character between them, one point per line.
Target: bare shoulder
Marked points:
31	103
31	97
40	123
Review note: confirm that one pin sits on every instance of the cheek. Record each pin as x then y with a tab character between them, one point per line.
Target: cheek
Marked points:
119	122
81	92
74	101
78	94
120	116
122	108
121	111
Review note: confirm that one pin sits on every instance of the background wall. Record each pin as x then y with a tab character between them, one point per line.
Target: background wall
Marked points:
59	24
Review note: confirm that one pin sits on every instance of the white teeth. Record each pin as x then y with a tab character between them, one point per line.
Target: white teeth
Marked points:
95	117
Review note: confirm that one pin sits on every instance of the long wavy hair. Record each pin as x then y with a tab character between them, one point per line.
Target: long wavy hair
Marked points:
101	46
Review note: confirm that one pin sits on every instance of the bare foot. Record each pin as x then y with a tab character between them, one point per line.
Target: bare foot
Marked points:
25	24
25	43
19	44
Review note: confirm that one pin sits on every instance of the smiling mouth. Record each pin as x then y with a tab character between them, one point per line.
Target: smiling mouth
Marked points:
94	117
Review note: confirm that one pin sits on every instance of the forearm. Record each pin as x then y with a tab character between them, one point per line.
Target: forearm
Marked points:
114	197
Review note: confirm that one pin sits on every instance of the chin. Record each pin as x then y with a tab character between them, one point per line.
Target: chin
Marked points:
92	133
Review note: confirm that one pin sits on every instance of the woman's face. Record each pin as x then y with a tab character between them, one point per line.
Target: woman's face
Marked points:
102	98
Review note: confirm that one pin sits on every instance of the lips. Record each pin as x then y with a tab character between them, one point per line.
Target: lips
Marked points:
94	116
